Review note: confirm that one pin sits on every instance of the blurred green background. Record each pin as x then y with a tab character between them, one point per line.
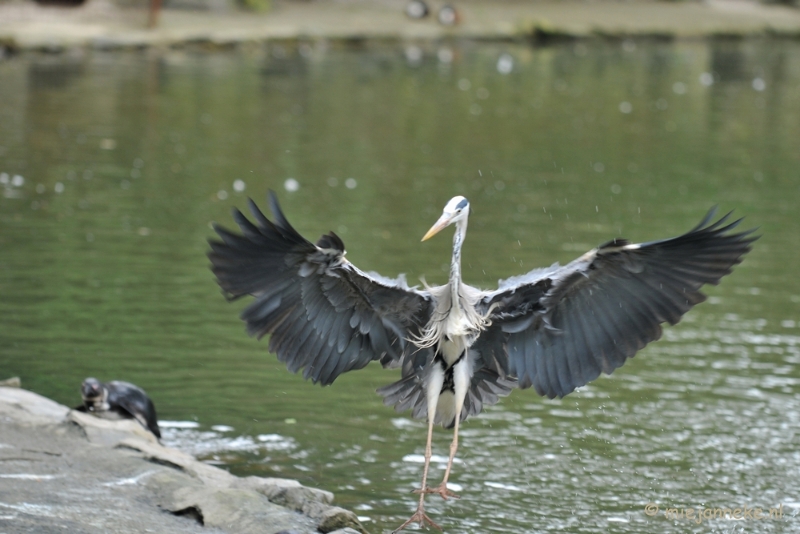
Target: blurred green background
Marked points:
113	166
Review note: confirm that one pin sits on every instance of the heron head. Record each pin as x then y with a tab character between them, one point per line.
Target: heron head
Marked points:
455	211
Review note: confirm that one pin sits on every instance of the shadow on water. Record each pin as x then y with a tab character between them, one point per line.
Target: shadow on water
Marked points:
112	166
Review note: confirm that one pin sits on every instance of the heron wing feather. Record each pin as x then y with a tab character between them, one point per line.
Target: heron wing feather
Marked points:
563	326
323	314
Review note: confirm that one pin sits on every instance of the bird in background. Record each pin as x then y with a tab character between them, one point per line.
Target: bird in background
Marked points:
417	9
448	15
119	400
460	348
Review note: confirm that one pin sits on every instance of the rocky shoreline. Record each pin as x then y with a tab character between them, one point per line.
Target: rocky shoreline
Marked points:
105	25
66	471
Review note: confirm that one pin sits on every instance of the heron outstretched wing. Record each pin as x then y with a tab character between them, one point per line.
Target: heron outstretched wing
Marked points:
324	315
565	325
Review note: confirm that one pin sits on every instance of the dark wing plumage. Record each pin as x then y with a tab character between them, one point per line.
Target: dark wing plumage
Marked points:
324	315
563	326
131	401
491	379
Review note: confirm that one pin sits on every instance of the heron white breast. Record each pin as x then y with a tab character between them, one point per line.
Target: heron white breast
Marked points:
452	349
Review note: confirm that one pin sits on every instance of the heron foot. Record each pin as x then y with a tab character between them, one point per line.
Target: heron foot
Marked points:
421	517
441	490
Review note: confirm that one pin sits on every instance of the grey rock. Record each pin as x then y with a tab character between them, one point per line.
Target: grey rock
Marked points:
64	484
155	452
237	510
109	432
13	382
286	492
315	510
27	408
81	474
165	483
346	530
336	518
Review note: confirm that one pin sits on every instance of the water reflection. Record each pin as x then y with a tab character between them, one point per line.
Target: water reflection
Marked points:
124	159
52	74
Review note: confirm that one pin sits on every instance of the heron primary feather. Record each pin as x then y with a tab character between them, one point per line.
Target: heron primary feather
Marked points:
460	348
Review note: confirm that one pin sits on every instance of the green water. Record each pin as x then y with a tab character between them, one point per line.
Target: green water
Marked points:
125	159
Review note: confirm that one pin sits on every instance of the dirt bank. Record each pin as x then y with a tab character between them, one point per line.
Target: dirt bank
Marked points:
100	24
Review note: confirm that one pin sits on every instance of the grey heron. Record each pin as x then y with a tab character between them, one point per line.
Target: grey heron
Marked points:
460	348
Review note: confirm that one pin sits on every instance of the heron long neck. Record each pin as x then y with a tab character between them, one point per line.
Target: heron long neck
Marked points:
455	262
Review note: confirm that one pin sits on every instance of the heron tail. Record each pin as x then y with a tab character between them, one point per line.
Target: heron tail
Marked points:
485	389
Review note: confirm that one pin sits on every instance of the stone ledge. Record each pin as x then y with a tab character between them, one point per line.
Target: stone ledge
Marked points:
69	449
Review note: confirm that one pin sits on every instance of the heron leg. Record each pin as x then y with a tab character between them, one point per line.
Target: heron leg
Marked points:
433	388
428	454
441	489
461	379
420	515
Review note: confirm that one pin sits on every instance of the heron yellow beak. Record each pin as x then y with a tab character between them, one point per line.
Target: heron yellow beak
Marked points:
440	225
